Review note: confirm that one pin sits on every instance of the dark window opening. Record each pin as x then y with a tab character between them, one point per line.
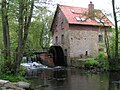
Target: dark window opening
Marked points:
56	40
65	52
100	38
86	53
62	27
62	39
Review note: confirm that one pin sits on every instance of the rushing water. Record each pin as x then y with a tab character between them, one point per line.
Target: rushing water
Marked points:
75	79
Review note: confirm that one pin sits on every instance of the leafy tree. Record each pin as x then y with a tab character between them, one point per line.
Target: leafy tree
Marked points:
16	23
39	37
22	17
6	35
24	20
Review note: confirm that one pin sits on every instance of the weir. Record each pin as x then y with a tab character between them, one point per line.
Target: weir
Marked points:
44	60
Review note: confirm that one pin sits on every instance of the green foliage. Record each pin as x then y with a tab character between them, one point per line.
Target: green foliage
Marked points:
102	59
90	63
13	78
6	74
112	44
1	35
39	36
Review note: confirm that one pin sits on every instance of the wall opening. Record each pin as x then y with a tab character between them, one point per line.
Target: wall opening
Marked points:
100	37
86	53
62	39
56	40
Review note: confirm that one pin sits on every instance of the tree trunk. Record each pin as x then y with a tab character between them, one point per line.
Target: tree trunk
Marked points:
24	24
6	36
116	32
19	51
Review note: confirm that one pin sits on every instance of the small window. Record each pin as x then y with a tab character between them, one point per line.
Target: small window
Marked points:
80	19
72	11
62	39
86	53
83	19
100	38
65	52
62	27
99	20
56	40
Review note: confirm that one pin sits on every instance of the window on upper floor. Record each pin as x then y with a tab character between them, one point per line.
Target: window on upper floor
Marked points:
62	26
100	38
62	39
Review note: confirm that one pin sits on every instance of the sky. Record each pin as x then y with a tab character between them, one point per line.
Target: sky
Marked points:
99	4
84	3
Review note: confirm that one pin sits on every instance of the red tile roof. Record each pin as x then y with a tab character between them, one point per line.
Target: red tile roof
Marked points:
71	13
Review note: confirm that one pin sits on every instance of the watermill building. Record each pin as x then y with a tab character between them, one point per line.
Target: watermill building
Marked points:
79	31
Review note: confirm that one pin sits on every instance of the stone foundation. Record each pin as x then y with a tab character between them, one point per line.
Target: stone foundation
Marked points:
80	63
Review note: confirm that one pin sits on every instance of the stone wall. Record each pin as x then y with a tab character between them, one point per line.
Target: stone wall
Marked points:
83	43
79	43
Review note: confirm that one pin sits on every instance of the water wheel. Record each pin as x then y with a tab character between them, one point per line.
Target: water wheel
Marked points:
58	56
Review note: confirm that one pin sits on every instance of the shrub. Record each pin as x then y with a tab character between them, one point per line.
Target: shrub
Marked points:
102	59
11	77
90	63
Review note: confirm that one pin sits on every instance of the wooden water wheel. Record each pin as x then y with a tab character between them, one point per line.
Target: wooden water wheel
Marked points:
58	56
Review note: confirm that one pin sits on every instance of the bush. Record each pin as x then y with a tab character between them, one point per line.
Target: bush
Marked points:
11	77
90	63
102	59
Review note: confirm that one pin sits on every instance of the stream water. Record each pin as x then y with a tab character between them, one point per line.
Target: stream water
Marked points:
75	79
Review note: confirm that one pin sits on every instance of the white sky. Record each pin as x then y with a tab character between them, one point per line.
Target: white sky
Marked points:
99	4
84	3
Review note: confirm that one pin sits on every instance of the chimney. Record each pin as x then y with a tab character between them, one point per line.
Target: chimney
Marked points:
91	10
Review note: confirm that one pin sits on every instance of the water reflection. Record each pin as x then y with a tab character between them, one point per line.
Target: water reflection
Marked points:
114	81
75	79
